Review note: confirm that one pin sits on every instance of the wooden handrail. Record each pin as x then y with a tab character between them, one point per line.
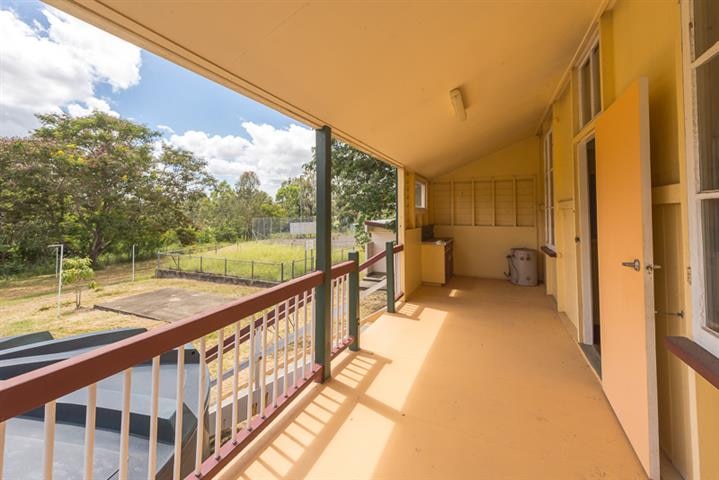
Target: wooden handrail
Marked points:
372	260
342	269
38	387
379	256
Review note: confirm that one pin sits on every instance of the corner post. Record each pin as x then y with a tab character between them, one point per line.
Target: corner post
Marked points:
323	292
390	276
354	302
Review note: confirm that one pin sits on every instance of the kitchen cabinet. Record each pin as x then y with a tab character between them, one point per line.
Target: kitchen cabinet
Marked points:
437	260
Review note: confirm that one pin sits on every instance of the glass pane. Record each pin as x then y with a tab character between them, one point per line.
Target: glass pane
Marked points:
706	25
597	96
418	195
708	123
710	217
585	94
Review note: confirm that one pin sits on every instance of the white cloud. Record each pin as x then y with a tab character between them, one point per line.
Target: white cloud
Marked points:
45	70
92	104
274	154
165	128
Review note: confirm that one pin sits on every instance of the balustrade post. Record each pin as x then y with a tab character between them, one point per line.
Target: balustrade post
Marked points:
323	292
354	290
390	277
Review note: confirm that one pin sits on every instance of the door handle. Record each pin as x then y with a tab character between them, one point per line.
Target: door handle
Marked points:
635	264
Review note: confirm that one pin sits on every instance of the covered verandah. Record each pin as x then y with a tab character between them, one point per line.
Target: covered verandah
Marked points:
478	380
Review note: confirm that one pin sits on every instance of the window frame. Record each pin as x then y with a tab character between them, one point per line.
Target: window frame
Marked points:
549	210
595	90
702	334
423	196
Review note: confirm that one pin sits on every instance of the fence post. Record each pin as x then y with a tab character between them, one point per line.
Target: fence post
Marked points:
293	269
225	267
200	263
158	261
179	256
354	330
282	272
305	271
252	271
390	276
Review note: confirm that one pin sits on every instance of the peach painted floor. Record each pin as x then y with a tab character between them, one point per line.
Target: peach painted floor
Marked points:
477	380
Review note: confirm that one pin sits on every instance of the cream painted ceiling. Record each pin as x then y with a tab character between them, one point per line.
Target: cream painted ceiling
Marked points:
379	73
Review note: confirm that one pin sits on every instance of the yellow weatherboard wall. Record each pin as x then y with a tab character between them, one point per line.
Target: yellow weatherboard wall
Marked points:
480	251
565	208
412	237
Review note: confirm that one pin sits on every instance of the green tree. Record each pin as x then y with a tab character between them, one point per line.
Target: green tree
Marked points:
362	187
296	196
74	270
95	183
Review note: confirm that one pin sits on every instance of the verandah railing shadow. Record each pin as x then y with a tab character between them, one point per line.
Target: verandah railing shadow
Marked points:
267	344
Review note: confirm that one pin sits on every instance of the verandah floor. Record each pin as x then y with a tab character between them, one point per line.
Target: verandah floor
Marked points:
476	380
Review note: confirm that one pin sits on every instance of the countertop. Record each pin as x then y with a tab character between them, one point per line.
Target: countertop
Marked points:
441	241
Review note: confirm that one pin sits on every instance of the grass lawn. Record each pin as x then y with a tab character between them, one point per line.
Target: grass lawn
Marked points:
38	312
261	260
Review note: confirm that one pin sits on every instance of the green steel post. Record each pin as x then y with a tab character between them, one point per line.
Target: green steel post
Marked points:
390	277
354	302
323	292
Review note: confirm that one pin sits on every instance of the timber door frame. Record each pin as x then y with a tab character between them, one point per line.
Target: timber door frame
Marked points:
585	254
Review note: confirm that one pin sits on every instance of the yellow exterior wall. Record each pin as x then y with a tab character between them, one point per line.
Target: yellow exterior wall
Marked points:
708	423
412	260
480	251
411	233
644	38
565	208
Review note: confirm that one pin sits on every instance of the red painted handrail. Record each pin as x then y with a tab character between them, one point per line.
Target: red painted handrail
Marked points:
372	260
379	256
342	269
38	387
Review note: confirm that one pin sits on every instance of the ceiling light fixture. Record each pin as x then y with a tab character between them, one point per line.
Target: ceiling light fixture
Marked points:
455	96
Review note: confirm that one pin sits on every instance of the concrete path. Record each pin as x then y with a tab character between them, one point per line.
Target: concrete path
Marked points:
166	304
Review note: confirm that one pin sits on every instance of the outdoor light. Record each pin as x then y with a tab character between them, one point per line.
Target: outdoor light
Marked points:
455	96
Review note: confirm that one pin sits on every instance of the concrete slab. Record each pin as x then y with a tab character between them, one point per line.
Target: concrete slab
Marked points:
166	304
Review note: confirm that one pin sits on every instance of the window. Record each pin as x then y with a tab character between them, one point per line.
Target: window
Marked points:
589	92
701	69
420	195
548	191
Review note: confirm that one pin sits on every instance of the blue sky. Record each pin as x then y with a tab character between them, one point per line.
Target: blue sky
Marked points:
50	61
